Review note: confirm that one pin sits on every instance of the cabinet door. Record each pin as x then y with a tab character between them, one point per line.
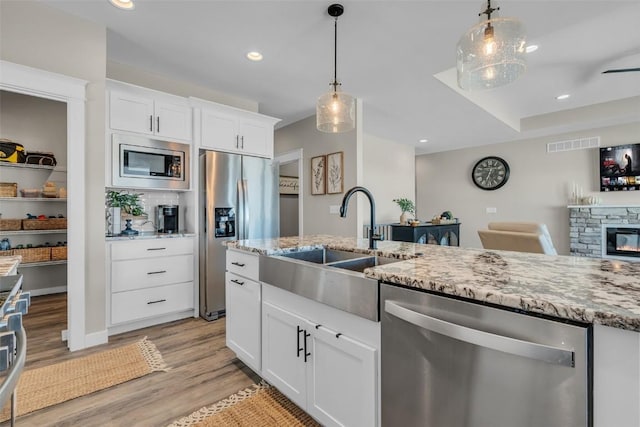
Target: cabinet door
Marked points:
256	138
173	121
219	131
283	364
243	319
341	382
130	112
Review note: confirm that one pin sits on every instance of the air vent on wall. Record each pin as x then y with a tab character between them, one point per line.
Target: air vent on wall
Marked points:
573	144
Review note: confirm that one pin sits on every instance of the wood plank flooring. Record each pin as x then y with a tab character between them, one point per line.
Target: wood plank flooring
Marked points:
203	371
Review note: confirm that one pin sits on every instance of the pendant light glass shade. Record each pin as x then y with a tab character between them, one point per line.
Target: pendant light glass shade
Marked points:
491	54
336	112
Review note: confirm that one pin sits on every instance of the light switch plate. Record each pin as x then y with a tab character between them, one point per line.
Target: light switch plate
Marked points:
334	209
492	210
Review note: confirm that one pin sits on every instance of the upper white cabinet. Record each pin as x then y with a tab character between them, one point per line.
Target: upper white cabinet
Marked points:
149	112
225	128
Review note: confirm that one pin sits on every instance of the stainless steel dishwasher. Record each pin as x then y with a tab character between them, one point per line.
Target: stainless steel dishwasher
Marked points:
452	363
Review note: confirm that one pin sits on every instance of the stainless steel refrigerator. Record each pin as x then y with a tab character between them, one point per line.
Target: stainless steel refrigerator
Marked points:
239	200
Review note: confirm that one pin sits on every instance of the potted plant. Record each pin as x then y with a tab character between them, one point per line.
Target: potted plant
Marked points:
406	206
129	203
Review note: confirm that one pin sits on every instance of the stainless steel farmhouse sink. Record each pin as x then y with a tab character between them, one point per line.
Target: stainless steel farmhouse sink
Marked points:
328	276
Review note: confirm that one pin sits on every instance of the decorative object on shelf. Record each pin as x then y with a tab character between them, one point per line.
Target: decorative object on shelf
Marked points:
30	193
288	184
128	231
445	217
5	244
11	152
40	158
8	189
491	53
406	206
490	173
129	203
335	110
113	218
414	223
50	189
335	174
318	185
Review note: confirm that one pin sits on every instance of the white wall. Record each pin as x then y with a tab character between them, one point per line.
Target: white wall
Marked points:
537	190
33	34
389	173
317	219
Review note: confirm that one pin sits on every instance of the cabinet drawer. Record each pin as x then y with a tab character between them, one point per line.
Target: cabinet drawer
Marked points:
142	303
243	263
144	273
150	248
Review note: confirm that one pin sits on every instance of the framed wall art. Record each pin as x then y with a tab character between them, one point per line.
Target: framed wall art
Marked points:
288	184
318	171
335	173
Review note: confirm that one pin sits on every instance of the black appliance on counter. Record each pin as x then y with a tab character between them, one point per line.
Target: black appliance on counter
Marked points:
167	219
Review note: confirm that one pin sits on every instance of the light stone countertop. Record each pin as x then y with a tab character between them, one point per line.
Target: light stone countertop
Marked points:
9	263
147	235
589	290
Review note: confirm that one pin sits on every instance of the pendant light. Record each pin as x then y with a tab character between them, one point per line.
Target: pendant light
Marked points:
336	110
492	53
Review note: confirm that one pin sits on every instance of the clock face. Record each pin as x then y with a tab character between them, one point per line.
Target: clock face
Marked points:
490	173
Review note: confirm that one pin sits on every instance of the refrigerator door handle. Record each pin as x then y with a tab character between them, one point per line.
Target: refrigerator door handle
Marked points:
245	213
553	355
240	213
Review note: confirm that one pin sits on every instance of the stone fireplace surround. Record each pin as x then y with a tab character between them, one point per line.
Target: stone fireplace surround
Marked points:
585	226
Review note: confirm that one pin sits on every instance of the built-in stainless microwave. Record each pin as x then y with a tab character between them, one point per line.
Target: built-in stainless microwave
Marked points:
148	163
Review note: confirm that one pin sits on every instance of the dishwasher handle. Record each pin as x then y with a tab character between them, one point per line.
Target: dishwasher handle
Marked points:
548	354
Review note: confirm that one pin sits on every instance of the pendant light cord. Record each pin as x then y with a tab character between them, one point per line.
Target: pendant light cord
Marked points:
335	55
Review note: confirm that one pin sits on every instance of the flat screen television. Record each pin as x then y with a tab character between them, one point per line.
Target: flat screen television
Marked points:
620	168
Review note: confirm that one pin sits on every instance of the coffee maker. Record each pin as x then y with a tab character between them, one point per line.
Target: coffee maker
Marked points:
167	219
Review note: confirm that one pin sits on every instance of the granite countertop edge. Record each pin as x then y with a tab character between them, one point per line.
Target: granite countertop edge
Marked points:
585	290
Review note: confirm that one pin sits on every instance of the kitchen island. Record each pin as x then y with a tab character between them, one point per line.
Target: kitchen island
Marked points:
599	292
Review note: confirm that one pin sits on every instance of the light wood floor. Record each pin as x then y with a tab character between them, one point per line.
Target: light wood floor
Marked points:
203	371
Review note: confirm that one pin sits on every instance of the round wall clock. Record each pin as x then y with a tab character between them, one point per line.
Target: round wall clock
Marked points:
490	173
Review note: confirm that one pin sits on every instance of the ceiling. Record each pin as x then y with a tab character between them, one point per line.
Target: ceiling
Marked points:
397	56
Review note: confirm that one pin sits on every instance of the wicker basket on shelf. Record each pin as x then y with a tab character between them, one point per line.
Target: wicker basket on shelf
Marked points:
10	224
58	253
44	224
7	253
34	254
8	189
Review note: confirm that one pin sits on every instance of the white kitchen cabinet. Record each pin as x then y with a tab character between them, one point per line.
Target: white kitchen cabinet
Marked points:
150	281
224	128
328	374
148	112
243	319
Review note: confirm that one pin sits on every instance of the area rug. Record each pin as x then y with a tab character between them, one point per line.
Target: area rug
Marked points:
42	387
260	405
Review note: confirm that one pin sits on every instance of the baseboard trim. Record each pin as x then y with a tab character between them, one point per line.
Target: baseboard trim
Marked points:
96	338
47	291
126	327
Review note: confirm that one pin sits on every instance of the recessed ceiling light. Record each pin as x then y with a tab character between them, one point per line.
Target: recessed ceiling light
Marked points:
254	56
531	48
423	140
563	96
123	4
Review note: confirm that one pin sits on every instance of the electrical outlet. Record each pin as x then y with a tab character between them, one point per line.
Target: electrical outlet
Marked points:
492	210
334	209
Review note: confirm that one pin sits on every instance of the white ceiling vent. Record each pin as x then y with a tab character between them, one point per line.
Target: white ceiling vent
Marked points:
573	144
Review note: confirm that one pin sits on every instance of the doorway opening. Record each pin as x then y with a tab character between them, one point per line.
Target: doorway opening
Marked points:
291	194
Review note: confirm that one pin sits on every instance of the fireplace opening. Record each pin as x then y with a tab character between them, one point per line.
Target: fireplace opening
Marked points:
622	241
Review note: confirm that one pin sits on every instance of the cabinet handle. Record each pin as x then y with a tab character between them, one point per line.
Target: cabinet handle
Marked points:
156	249
237	141
242	142
237	281
338	334
151	123
239	264
306	354
158	124
298	341
157	272
155	302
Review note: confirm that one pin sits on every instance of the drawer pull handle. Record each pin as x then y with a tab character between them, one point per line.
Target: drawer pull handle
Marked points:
237	281
155	302
157	272
156	249
239	264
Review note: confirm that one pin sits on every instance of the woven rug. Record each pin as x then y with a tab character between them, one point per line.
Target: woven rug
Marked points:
57	383
257	406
